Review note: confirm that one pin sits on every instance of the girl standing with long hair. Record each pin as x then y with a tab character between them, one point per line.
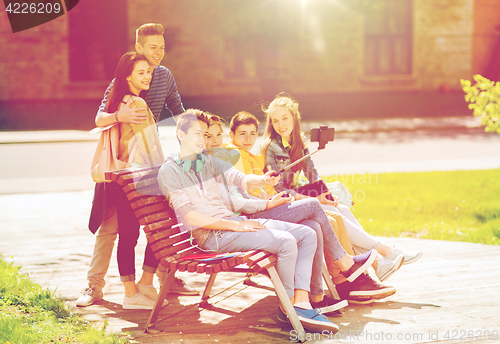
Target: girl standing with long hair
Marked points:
139	145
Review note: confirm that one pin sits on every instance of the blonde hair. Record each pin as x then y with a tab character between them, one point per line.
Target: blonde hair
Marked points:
297	143
150	29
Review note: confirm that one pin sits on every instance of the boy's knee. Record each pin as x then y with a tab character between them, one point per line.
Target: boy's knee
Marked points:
312	224
310	235
289	244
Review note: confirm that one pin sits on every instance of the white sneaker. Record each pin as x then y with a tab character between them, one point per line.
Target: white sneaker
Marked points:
409	256
150	292
89	296
138	301
147	290
388	266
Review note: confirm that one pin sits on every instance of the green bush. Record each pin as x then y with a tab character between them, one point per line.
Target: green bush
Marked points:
483	97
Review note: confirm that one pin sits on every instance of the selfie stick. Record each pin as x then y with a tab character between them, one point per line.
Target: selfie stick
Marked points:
275	174
322	144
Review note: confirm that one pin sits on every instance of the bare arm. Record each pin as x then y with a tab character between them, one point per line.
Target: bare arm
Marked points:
125	114
256	181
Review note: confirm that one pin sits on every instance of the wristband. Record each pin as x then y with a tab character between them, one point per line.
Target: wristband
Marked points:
116	117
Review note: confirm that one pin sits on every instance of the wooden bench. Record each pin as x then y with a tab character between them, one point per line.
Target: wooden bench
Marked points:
170	245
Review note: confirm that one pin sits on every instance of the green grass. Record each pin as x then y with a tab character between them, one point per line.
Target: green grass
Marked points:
455	206
30	314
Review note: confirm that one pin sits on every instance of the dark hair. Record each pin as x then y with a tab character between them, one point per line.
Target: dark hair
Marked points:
190	116
120	86
242	118
297	143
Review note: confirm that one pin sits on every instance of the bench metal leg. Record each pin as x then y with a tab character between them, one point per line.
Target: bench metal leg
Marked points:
285	301
153	316
329	283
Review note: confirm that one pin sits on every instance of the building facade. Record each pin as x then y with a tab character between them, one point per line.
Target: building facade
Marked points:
235	48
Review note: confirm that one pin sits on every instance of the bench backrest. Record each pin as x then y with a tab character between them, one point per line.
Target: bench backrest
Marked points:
152	209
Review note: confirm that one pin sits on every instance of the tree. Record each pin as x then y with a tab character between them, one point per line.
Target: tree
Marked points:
484	99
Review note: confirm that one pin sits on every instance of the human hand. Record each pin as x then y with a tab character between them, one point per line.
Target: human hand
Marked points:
270	179
248	226
278	200
136	115
323	200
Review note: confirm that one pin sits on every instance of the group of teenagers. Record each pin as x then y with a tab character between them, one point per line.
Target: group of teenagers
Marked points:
228	196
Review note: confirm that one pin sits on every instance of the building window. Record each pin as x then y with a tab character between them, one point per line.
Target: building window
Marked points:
97	39
388	37
240	58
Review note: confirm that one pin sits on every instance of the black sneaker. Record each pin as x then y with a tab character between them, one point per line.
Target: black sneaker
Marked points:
328	305
361	264
364	289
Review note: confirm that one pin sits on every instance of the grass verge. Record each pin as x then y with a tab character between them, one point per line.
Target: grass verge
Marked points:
454	206
29	314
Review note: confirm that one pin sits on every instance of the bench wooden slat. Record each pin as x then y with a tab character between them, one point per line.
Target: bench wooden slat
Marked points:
151	210
256	257
270	260
155	236
146	182
192	266
167	225
156	218
136	171
144	193
201	268
127	175
183	265
148	201
243	257
178	256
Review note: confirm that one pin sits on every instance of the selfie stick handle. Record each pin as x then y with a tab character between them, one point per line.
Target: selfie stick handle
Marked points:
275	174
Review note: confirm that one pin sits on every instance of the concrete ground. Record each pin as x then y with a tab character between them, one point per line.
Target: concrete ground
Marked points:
45	198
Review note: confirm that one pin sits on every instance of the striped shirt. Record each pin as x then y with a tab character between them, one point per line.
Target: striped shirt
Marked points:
162	93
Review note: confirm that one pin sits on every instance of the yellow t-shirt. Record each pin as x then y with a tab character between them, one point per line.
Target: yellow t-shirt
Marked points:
252	164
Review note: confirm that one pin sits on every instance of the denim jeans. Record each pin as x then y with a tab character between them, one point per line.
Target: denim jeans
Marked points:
294	245
128	235
310	213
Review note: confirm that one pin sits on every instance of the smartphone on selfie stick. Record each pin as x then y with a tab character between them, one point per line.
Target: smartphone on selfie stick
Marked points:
322	135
